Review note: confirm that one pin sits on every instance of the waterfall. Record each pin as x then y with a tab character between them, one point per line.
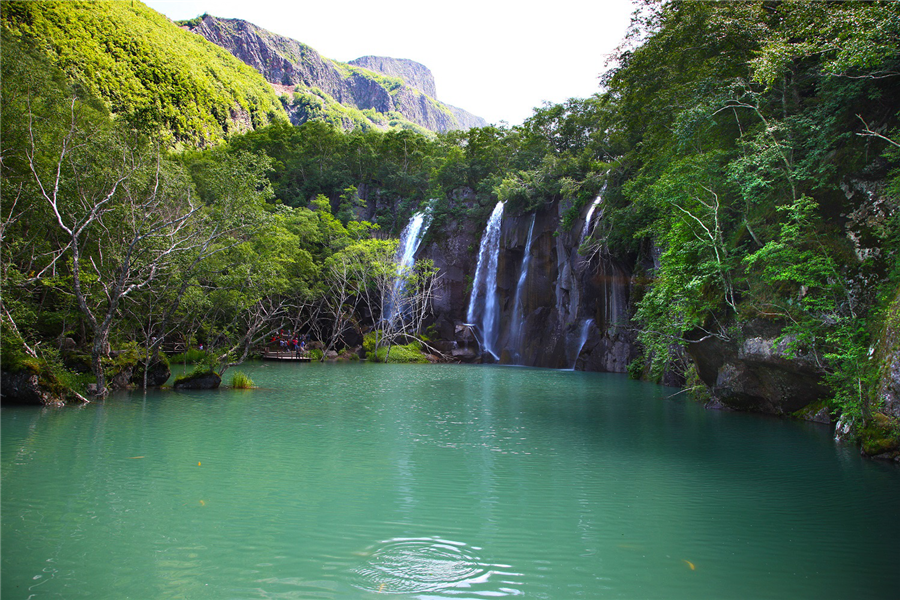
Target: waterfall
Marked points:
485	283
516	341
410	238
582	340
587	219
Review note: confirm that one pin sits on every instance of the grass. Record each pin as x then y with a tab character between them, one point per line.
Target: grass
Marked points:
241	381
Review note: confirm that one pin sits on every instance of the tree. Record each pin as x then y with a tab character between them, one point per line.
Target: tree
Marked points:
123	217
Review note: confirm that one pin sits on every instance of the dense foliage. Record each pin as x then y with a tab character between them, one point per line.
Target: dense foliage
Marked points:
764	171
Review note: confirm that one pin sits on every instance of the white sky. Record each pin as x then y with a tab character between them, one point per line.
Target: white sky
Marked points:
494	59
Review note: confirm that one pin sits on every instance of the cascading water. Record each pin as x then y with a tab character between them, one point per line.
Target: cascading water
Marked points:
588	219
582	340
518	319
410	239
485	283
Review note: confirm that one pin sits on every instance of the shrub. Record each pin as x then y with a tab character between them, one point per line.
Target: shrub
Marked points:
410	353
241	381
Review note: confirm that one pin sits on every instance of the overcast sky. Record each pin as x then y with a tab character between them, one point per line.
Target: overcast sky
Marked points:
488	57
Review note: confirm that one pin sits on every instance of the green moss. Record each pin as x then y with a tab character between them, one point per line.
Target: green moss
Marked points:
881	434
409	353
810	410
199	371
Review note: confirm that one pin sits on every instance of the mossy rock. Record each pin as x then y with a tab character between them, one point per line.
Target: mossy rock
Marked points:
158	373
198	380
25	387
881	437
409	353
816	412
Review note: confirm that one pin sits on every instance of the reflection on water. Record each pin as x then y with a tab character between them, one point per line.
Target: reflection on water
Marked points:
436	481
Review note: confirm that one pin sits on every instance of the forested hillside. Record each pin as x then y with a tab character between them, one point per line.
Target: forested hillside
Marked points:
157	77
745	155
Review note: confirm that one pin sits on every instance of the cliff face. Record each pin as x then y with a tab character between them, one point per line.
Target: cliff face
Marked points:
287	64
414	74
558	309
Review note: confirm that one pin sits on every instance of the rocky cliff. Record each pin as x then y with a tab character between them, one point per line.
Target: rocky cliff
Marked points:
350	94
563	311
414	74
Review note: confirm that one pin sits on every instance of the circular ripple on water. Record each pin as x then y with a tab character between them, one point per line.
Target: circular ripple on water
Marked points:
415	565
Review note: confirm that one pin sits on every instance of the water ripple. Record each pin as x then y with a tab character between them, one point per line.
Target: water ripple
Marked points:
418	565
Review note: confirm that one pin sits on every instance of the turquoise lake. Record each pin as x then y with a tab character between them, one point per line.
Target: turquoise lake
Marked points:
437	481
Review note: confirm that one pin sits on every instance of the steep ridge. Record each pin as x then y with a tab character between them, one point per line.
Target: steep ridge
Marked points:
385	93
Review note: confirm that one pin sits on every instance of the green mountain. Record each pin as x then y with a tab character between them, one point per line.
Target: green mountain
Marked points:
150	72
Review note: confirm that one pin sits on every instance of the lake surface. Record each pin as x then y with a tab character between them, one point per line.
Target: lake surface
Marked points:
437	481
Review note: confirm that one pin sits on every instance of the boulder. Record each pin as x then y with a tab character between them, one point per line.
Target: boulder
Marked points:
158	373
760	373
199	381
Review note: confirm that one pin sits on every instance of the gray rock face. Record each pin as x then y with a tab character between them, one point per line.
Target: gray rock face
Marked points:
890	386
286	62
889	355
758	373
414	74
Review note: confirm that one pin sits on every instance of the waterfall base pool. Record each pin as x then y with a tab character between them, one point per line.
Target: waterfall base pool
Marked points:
437	481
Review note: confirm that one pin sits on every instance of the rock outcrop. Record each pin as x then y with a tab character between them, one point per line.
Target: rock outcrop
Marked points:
760	372
414	74
157	374
394	86
24	387
880	436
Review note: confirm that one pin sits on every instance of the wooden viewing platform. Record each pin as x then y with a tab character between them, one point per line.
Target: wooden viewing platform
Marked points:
286	355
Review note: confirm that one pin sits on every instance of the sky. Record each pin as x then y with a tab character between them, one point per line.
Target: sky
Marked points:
492	58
